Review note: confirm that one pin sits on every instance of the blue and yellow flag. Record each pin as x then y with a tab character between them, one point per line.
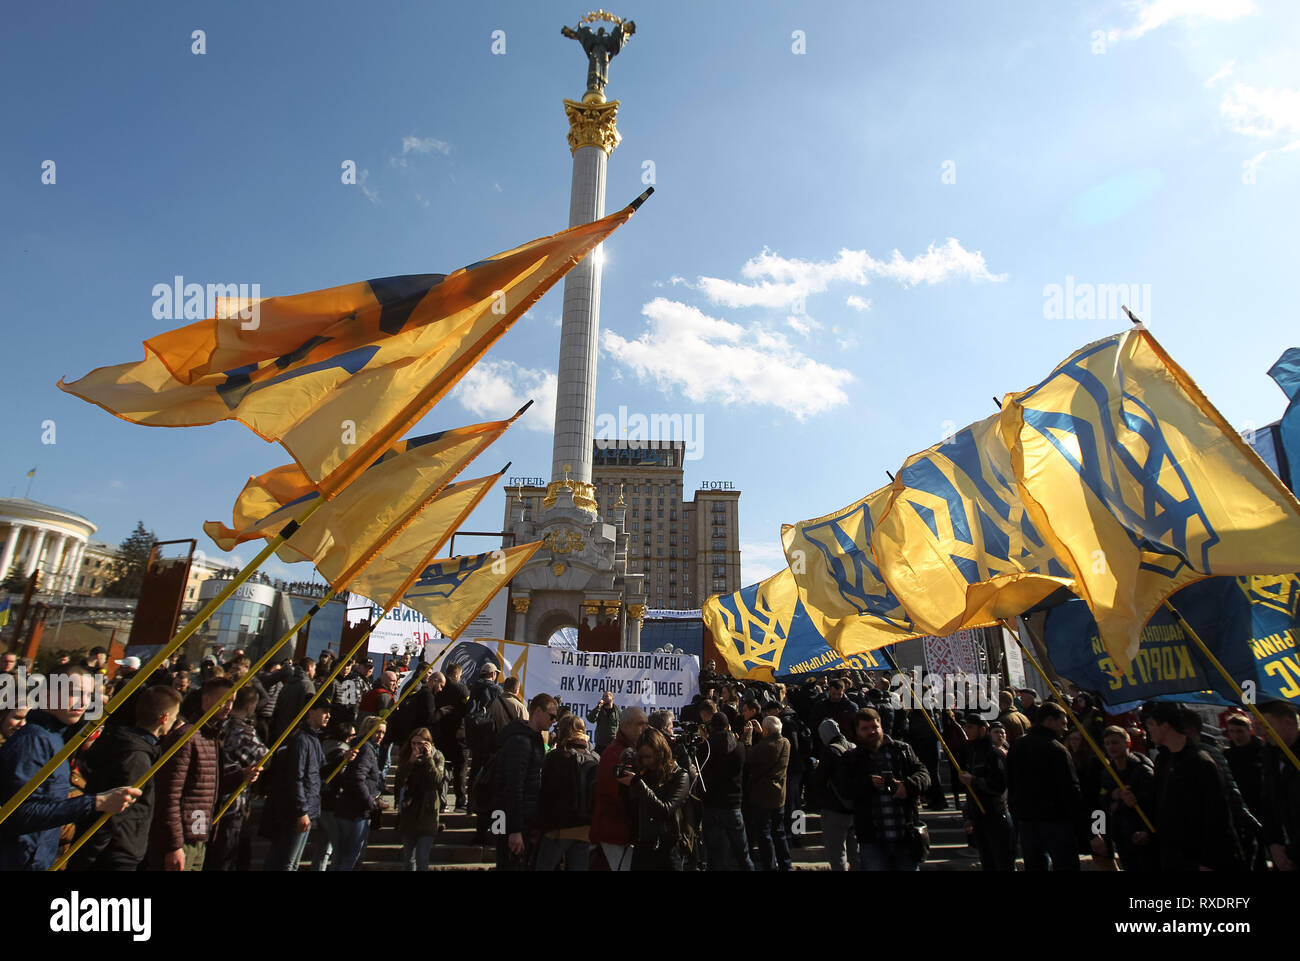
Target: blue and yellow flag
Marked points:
1140	486
337	376
765	631
1248	623
451	592
834	567
4	611
1286	374
384	574
955	545
407	473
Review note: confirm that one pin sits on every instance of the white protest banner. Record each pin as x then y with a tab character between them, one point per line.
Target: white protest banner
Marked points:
656	682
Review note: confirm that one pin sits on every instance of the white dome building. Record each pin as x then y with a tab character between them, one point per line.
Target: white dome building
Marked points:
37	535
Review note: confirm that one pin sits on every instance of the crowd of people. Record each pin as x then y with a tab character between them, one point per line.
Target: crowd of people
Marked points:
727	785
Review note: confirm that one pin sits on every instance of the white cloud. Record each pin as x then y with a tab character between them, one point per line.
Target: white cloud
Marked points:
497	389
1265	115
1261	113
781	282
425	145
1221	73
802	324
857	303
1153	14
711	359
419	145
370	193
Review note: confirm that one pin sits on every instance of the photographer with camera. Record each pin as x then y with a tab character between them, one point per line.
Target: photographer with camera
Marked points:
657	788
722	774
421	770
888	780
766	762
609	822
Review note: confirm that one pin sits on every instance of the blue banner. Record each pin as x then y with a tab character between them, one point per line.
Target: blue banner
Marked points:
1249	623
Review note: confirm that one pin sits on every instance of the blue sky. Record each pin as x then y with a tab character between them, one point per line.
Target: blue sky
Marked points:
848	254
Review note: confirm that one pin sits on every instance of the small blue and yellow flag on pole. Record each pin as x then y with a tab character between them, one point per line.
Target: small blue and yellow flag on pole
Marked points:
32	472
765	630
337	376
451	592
1140	486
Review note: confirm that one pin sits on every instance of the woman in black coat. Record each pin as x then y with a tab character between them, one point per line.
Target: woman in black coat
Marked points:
358	797
657	794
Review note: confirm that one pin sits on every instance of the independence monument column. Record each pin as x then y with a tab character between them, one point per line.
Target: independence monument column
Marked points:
580	577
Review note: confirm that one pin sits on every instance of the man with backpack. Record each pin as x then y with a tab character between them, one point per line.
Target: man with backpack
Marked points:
566	803
516	778
480	736
835	788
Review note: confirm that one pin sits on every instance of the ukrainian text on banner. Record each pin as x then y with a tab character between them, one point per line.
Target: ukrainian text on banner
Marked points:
1249	623
655	682
1140	486
765	630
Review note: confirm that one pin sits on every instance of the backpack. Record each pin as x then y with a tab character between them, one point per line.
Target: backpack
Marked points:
480	732
585	769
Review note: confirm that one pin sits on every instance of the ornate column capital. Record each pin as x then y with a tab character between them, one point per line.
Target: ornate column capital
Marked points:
521	604
592	125
636	612
591	608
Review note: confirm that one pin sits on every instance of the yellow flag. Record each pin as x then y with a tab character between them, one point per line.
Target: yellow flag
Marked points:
1140	486
409	473
955	545
834	567
337	376
766	630
453	591
386	572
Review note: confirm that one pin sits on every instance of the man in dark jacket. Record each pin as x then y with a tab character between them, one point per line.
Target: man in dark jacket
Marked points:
604	720
121	755
985	777
452	703
1043	790
517	781
187	789
796	733
722	774
767	758
1124	826
1282	788
1193	822
293	803
888	782
833	784
298	689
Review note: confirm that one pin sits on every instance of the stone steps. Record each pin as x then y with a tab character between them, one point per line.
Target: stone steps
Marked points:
456	850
